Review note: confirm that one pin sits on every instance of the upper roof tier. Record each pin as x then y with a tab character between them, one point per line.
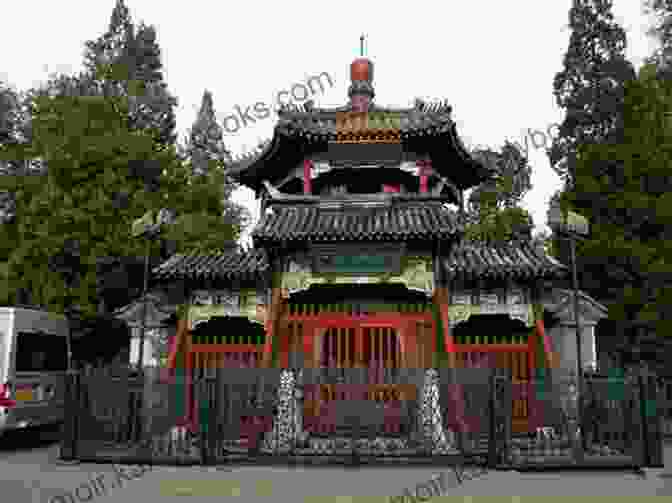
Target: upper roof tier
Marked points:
361	132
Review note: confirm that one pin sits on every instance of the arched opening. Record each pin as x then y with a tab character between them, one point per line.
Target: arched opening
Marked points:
228	330
226	342
487	341
356	335
489	329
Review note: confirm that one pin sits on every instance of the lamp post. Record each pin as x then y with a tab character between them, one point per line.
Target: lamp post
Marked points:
572	226
67	263
149	229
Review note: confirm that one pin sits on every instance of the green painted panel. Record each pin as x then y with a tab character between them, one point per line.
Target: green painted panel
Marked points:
360	263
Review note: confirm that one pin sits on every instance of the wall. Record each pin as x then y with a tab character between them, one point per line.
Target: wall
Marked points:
148	351
563	338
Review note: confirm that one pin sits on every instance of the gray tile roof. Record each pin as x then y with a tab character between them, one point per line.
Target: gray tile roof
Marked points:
519	259
326	126
375	223
227	265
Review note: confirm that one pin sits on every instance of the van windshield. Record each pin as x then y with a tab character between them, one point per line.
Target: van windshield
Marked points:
40	352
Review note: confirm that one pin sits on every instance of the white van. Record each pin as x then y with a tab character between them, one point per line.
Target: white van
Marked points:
33	365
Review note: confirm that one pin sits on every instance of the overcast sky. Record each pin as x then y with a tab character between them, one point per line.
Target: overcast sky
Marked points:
494	62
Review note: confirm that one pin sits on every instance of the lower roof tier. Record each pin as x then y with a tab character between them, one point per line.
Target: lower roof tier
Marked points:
515	260
381	223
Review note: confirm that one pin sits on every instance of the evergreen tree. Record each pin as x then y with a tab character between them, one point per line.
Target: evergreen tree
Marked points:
9	114
494	212
84	143
10	111
205	154
126	61
590	87
625	189
90	196
205	145
662	32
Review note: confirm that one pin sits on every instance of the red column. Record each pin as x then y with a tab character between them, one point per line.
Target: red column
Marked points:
424	168
307	167
308	347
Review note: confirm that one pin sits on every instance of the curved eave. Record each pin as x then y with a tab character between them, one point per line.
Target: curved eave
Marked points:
516	260
479	171
241	266
315	128
247	170
310	222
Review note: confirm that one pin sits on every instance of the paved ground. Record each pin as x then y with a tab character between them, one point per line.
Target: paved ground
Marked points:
29	472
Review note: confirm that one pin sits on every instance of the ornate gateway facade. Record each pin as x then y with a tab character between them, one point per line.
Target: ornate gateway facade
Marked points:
359	261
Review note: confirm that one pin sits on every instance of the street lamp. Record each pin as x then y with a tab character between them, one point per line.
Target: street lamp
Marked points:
572	226
67	263
148	228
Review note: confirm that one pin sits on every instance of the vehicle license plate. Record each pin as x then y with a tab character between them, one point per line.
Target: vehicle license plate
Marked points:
24	395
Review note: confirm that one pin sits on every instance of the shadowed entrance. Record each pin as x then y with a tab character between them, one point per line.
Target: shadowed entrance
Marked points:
355	342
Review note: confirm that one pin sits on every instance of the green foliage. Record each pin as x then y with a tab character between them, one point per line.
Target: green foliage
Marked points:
661	10
205	146
590	87
87	148
126	61
214	219
79	148
500	226
9	114
624	189
493	213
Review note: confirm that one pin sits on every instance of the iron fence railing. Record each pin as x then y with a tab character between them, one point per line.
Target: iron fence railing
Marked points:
248	414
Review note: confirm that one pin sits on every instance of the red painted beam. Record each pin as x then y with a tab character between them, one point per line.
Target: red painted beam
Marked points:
350	320
491	348
226	348
307	168
424	171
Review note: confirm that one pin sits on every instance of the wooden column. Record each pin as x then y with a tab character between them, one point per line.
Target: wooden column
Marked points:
424	168
272	326
403	334
441	298
307	168
359	346
308	344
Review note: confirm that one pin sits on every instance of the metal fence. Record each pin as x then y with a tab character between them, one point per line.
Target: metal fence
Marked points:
250	415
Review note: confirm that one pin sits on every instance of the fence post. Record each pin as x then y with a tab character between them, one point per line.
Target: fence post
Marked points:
652	441
637	416
70	435
204	396
494	427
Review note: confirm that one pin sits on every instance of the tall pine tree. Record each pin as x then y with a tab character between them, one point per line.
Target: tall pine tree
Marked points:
591	90
206	156
126	61
662	33
205	147
10	112
625	189
590	87
494	213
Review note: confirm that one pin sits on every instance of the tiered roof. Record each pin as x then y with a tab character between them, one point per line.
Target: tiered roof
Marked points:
515	260
345	220
228	265
424	131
